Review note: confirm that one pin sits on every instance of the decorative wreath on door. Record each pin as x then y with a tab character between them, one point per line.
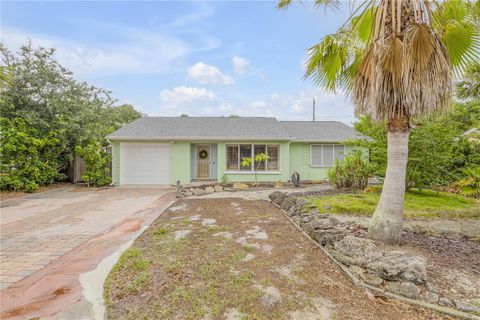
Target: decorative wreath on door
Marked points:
203	154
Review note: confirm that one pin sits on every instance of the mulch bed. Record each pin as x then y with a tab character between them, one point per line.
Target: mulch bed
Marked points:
206	275
453	265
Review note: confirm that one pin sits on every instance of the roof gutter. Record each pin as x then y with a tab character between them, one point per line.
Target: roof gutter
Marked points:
128	138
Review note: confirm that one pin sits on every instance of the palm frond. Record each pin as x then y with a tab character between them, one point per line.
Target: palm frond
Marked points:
457	24
334	4
469	87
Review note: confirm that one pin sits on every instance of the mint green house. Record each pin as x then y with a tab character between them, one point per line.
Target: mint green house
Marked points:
164	150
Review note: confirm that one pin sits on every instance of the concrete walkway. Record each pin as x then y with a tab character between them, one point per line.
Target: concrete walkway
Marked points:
48	240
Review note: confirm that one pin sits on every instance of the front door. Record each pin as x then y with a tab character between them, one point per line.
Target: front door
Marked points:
203	161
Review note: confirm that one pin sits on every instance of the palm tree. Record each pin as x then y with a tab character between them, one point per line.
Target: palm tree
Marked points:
396	59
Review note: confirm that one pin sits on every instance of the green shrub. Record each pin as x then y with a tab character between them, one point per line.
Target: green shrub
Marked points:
28	156
97	164
224	179
352	173
470	186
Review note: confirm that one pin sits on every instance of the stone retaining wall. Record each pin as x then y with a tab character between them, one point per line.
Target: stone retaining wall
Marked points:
394	271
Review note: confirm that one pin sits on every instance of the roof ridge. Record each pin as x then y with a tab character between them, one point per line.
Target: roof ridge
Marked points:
215	117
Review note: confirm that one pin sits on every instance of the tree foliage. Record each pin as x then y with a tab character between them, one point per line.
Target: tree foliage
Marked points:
29	157
438	150
97	163
45	100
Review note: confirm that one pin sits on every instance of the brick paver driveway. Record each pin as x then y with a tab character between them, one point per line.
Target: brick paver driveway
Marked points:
39	228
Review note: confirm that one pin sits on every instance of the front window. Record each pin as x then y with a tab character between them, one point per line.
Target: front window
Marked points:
325	155
232	157
245	152
236	152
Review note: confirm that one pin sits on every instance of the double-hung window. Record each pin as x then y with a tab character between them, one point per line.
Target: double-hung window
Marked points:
237	152
325	155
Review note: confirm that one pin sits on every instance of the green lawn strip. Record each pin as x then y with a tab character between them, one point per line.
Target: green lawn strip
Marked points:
418	204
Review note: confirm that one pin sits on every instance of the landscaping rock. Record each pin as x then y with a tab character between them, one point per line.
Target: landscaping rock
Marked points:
188	193
443	301
239	185
357	271
406	289
278	184
298	208
372	279
397	265
306	218
209	190
430	287
288	202
277	197
198	192
465	306
218	188
327	207
329	236
428	296
360	251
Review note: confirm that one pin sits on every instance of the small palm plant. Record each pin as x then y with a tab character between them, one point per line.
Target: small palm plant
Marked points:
257	161
470	186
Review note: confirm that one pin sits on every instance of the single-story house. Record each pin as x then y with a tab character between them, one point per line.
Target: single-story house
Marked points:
164	150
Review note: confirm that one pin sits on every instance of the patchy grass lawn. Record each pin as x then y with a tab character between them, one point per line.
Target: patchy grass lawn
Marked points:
235	259
424	204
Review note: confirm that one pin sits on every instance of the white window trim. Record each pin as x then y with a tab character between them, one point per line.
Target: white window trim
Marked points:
252	153
333	153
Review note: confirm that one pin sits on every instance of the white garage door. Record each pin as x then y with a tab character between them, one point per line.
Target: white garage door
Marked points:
144	163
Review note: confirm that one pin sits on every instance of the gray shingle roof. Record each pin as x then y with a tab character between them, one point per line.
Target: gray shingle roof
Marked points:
320	131
201	128
225	128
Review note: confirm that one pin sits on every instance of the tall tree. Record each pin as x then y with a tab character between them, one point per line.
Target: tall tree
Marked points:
47	114
396	58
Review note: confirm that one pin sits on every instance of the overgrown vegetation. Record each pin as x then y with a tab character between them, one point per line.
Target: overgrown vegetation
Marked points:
470	185
97	163
439	152
352	173
46	116
418	203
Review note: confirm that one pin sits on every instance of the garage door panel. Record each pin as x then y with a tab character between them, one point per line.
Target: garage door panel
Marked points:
144	163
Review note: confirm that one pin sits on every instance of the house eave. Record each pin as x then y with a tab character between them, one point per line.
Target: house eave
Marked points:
140	138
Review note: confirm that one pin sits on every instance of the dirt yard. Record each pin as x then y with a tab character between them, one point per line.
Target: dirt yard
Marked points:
236	259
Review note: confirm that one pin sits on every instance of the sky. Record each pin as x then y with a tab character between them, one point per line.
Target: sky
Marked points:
168	58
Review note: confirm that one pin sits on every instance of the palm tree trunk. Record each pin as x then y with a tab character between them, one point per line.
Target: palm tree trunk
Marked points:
387	221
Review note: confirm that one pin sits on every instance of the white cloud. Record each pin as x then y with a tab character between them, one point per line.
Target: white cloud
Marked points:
133	50
240	65
179	96
295	106
206	74
193	101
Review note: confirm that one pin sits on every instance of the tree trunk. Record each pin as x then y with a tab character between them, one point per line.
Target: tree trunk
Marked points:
387	220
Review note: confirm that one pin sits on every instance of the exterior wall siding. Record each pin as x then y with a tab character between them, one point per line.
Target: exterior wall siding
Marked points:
181	156
300	161
294	156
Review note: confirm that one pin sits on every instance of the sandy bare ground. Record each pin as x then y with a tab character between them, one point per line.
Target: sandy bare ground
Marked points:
236	259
